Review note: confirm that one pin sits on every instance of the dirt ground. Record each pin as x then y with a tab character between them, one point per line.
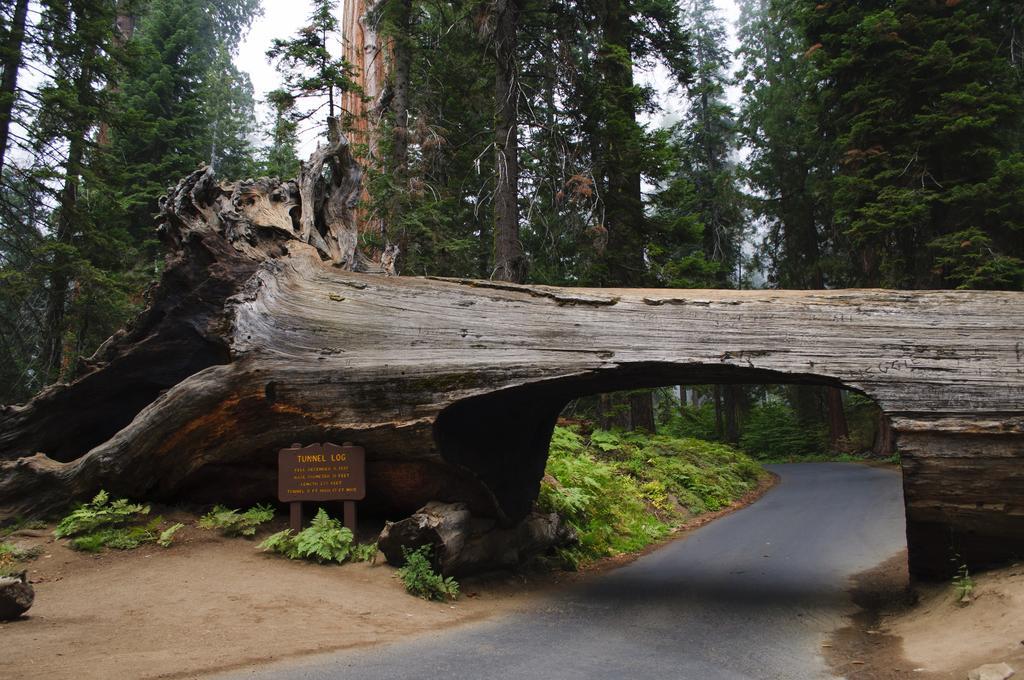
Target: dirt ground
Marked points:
210	603
951	637
926	633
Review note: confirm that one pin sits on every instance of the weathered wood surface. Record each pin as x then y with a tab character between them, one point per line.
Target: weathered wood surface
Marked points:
254	340
461	544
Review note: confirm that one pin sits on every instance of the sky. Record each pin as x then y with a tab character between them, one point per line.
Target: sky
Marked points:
283	19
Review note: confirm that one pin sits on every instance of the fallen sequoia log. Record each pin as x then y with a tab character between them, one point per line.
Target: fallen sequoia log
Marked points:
259	335
462	544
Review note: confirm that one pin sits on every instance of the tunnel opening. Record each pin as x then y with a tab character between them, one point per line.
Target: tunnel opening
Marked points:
684	439
503	437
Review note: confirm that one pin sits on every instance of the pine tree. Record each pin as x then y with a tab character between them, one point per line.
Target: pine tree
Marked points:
279	157
788	165
699	212
313	77
12	44
78	42
924	113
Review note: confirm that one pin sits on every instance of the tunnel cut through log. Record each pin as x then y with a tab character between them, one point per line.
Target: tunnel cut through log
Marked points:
258	336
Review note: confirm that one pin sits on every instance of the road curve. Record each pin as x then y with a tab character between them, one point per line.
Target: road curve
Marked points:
751	595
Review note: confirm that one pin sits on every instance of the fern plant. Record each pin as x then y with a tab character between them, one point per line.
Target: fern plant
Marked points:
100	512
324	540
167	535
420	579
232	522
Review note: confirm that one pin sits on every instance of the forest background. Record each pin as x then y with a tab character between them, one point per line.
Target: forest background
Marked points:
872	144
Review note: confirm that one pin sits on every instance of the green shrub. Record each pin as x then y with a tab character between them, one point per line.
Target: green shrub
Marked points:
103	523
100	513
421	580
324	540
118	538
697	422
167	535
232	522
773	432
364	552
623	491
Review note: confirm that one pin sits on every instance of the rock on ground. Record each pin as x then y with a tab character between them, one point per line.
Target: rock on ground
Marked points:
991	671
462	544
16	596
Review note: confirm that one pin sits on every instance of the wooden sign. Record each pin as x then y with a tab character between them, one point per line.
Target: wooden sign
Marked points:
321	472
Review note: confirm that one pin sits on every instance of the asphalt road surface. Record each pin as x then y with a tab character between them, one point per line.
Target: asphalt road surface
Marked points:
751	595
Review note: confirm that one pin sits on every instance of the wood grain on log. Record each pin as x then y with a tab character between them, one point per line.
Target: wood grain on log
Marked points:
255	339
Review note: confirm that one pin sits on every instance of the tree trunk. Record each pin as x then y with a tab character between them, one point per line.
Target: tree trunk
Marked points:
509	261
11	62
837	427
60	273
733	398
719	425
623	260
124	30
254	339
400	85
363	48
884	445
641	411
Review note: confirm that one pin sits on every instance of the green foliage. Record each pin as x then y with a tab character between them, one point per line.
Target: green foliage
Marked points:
11	554
694	421
118	538
100	513
167	535
622	492
420	579
963	584
772	430
324	540
309	69
921	111
363	552
232	522
103	523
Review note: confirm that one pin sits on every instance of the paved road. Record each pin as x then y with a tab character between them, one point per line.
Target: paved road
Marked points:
751	596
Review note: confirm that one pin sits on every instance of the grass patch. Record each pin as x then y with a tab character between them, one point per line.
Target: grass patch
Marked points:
623	491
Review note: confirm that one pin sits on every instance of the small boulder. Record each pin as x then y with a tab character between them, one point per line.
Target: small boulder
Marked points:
463	545
16	595
991	671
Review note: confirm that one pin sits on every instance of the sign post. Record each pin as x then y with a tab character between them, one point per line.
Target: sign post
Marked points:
321	472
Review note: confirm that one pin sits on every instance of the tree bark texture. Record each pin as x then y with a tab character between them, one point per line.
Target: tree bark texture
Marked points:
623	204
256	337
367	51
838	430
641	411
509	260
462	544
11	61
